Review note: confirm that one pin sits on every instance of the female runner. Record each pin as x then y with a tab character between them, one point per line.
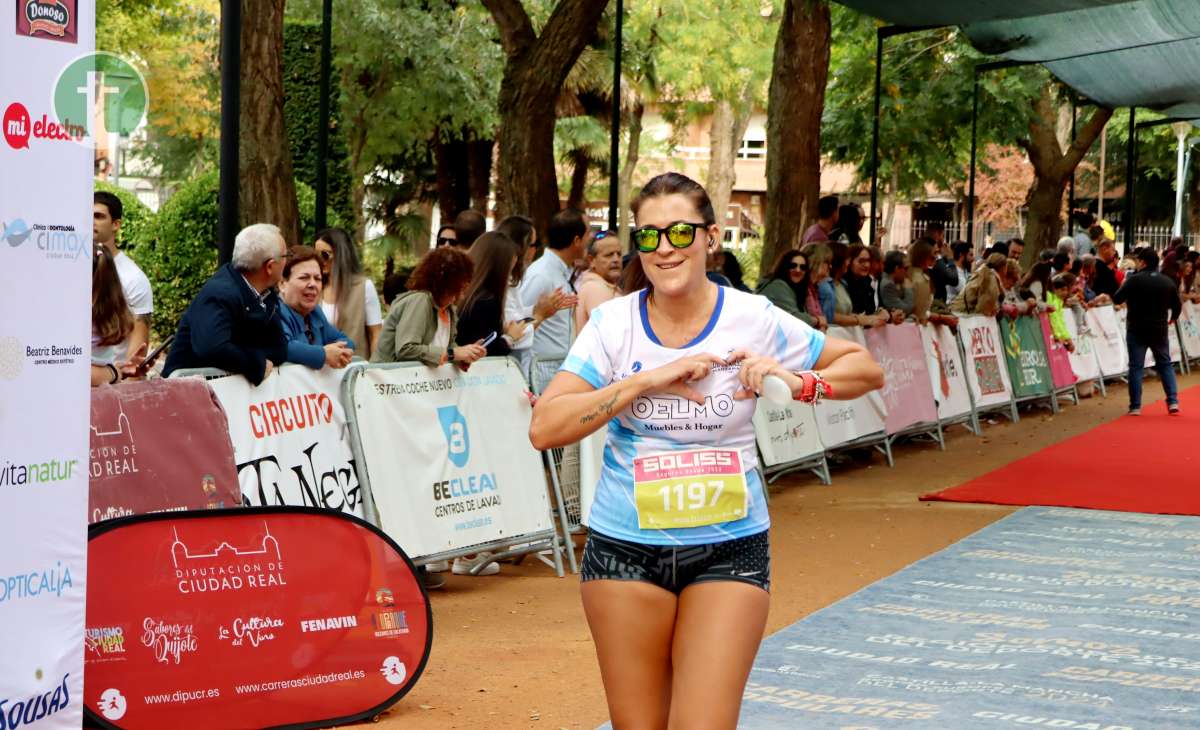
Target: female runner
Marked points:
676	570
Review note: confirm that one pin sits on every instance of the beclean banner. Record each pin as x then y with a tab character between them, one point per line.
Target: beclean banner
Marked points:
448	454
289	439
46	165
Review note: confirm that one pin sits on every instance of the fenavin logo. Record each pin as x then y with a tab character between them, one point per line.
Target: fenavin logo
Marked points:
457	438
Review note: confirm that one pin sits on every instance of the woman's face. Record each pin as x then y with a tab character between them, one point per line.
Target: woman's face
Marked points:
861	265
324	255
675	271
302	288
1185	268
797	269
821	272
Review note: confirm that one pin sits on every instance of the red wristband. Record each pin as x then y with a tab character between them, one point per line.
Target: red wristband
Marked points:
813	388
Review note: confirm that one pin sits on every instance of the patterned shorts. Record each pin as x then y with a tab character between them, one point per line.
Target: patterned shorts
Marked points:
746	559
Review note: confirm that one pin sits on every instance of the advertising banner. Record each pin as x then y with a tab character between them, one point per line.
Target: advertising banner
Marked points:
289	439
1061	373
907	392
464	472
947	376
159	446
986	372
1189	328
47	160
1085	363
840	421
1173	347
1025	355
591	460
1109	341
785	432
261	617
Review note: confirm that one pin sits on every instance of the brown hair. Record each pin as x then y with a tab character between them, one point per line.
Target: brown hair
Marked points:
520	230
493	254
997	262
111	319
919	253
298	255
443	271
668	183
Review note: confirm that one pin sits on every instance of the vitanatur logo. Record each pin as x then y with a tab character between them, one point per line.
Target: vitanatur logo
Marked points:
16	232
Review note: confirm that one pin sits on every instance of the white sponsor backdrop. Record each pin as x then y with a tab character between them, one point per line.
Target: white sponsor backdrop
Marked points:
987	372
45	348
1085	362
946	373
1109	341
289	439
840	421
450	460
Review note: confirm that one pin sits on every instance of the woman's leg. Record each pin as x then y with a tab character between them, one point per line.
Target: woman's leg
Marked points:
632	623
717	632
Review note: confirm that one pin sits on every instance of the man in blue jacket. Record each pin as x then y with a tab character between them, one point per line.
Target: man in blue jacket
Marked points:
233	323
312	339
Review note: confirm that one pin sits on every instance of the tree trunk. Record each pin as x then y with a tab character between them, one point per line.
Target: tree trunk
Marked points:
625	183
580	164
266	190
724	140
534	72
453	173
795	103
479	158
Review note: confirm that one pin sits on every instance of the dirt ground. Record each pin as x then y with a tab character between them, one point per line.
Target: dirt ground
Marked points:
513	650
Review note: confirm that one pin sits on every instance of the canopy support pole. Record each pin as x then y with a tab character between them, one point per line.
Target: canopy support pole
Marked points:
323	114
1130	164
614	147
231	109
1071	191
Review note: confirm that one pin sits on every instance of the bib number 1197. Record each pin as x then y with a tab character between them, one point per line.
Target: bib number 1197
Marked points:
681	489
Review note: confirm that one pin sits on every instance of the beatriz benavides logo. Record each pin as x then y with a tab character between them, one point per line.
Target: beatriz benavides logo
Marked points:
457	438
52	20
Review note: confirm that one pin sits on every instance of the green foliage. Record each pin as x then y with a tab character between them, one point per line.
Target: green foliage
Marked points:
301	111
750	259
137	218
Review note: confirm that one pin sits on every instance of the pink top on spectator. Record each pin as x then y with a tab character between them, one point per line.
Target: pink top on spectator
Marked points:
815	234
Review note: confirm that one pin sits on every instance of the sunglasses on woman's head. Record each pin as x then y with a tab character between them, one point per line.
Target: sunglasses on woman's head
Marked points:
680	234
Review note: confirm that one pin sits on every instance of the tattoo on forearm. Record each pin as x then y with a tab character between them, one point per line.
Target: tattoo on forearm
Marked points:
605	408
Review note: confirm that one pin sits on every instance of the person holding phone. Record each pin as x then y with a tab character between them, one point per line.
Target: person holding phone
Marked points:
481	320
312	339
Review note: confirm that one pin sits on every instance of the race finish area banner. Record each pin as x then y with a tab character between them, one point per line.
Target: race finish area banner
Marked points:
906	387
158	446
1109	341
1085	363
1061	374
947	376
290	441
47	160
986	372
1028	366
463	471
841	422
260	617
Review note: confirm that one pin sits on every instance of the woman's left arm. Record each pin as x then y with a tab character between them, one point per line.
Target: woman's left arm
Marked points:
848	368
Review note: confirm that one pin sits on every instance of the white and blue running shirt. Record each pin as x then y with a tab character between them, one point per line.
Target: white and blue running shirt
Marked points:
618	342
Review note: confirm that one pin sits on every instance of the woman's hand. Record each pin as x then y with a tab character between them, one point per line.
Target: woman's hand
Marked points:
552	302
822	323
516	329
467	354
754	369
673	378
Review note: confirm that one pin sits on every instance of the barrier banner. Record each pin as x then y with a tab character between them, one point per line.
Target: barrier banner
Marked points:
289	439
1084	361
47	161
1109	341
1061	374
987	375
262	617
1025	355
464	472
785	432
1189	330
591	460
840	421
159	446
1174	349
946	374
907	392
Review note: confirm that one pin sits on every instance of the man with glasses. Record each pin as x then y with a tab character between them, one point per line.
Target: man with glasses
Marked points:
233	324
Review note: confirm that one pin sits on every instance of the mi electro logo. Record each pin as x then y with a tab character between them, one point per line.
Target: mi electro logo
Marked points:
19	126
47	472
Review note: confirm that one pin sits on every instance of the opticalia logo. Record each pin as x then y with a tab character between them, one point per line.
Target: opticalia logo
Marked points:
33	584
47	472
28	711
19	126
457	438
57	241
312	625
104	640
228	568
47	19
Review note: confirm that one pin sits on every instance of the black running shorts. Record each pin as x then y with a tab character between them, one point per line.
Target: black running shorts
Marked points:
746	559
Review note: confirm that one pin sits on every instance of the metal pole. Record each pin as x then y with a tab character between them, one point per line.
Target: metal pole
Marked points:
614	151
1103	159
231	108
1181	131
875	134
1071	192
974	150
1130	163
323	114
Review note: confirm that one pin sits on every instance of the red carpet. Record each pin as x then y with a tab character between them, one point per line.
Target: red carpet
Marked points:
1145	464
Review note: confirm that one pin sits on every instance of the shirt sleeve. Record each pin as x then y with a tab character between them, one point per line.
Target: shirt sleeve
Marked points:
534	286
793	343
373	310
139	295
587	358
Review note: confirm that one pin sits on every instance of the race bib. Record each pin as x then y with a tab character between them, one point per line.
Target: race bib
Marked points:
680	489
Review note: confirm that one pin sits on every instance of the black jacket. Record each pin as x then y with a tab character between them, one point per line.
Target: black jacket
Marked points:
1153	303
479	320
1105	281
226	326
